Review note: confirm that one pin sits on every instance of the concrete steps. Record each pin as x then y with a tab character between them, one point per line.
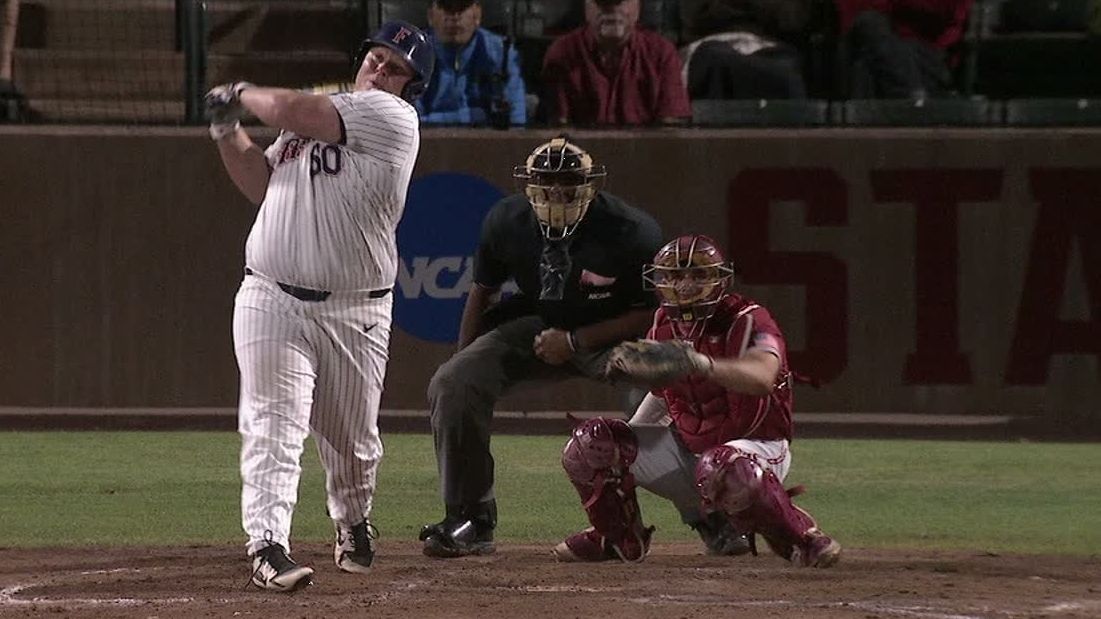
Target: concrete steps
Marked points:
151	74
233	26
118	61
74	110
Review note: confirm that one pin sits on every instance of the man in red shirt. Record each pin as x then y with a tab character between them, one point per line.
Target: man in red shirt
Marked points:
715	441
610	72
902	48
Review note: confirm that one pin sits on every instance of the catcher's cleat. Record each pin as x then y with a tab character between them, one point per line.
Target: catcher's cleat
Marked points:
451	539
720	537
273	570
588	546
354	550
817	550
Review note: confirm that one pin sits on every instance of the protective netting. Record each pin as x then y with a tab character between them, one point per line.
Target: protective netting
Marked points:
136	61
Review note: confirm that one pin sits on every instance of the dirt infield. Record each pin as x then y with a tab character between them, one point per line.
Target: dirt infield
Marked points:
677	580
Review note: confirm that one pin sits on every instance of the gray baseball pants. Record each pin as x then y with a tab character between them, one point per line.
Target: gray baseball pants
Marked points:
464	391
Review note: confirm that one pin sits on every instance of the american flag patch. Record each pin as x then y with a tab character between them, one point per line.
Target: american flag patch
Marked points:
767	342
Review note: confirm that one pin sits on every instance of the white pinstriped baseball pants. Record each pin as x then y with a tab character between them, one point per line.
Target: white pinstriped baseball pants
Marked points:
307	368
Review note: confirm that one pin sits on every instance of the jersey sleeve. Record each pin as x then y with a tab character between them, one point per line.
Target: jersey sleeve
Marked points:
490	269
515	91
673	95
555	83
271	153
766	335
377	124
647	243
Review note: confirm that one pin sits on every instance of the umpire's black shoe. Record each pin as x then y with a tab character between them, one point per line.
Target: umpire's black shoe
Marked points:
720	537
446	540
274	570
354	550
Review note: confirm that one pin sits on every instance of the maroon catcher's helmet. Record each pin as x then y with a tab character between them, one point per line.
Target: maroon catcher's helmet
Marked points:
691	276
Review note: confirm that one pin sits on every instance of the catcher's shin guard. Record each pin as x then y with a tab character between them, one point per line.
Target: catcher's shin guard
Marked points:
755	501
597	460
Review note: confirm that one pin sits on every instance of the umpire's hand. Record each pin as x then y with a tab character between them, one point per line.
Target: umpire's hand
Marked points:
553	346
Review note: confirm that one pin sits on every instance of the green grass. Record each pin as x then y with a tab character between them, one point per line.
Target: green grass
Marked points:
181	488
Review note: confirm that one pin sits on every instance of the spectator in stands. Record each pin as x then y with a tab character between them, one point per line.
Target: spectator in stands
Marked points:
902	48
745	49
12	104
472	85
611	72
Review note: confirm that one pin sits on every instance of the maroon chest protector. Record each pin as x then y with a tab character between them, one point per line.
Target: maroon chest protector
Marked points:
707	414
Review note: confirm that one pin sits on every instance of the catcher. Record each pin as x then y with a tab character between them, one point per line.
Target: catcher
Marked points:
714	437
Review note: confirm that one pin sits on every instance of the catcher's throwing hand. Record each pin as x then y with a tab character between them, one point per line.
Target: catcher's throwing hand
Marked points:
553	346
656	363
222	104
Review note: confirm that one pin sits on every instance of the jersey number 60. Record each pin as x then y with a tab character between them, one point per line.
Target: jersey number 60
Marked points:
325	158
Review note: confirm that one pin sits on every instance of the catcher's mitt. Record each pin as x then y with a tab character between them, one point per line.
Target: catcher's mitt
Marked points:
651	362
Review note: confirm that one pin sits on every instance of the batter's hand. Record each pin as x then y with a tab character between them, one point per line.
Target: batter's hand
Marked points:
222	104
553	346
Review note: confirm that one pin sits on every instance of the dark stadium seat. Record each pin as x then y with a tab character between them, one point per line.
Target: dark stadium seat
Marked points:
554	17
496	14
1043	15
1053	113
1036	48
412	11
759	113
917	113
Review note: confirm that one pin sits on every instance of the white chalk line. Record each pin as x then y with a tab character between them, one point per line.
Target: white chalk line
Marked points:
7	598
915	612
557	589
1070	607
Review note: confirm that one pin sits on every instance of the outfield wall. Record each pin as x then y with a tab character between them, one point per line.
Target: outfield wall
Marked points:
944	272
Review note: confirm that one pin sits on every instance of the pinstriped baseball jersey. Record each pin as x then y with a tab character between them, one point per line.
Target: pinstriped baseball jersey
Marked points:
315	363
330	214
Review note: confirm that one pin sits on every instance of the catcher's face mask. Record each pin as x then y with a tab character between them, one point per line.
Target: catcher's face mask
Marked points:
559	180
690	276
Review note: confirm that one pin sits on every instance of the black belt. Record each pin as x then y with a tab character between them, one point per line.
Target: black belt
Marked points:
309	294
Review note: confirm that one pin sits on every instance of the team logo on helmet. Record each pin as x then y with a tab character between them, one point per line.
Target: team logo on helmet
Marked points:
690	276
560	180
400	35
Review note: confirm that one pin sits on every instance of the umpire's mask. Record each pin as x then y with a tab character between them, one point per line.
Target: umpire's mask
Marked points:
560	181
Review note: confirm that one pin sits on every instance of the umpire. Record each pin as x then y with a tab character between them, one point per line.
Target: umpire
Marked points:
576	253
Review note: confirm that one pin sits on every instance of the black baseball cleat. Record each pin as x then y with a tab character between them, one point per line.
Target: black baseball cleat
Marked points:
467	530
354	550
450	539
720	536
274	570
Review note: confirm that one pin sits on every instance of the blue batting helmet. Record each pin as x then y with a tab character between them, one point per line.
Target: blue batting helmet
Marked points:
413	45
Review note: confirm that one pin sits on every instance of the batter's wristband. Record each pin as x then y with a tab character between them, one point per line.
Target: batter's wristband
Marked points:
220	131
571	339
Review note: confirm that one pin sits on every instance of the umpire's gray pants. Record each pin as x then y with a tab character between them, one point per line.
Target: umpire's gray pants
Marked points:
464	391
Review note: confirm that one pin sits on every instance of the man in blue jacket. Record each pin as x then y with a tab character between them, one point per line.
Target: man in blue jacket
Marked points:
471	85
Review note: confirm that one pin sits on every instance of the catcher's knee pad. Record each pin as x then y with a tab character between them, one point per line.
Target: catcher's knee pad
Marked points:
597	460
729	479
732	481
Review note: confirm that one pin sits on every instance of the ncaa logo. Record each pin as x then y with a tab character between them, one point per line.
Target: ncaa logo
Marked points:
437	237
